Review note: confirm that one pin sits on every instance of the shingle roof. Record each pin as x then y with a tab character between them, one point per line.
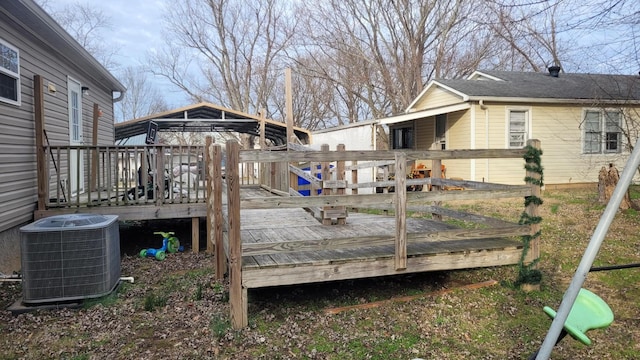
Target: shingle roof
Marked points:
566	86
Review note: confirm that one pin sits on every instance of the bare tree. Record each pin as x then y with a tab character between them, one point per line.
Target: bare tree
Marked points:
88	26
141	98
526	35
229	52
383	52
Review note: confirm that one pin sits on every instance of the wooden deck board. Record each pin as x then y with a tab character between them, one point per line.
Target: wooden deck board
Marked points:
291	224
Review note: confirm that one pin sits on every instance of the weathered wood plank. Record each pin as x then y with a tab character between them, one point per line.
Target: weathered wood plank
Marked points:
368	240
378	199
401	213
134	212
376	155
237	293
254	278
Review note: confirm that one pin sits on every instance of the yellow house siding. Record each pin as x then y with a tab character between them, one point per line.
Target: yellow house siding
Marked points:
436	97
458	130
561	134
425	133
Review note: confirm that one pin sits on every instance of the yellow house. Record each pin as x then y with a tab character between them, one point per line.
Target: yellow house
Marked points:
584	122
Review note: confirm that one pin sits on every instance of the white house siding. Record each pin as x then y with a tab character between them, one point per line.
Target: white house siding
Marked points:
18	184
359	136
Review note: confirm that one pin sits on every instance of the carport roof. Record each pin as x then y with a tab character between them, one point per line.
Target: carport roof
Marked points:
207	117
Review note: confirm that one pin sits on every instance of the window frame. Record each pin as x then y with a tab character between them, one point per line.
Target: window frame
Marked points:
12	74
526	131
602	136
403	130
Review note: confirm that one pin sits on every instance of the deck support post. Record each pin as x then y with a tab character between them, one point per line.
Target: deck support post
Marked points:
342	218
237	293
401	211
532	209
195	235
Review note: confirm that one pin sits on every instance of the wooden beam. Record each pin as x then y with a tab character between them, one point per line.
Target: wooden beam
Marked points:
278	276
263	116
401	212
134	212
195	235
365	200
208	141
218	217
436	173
237	293
370	155
94	152
288	104
38	93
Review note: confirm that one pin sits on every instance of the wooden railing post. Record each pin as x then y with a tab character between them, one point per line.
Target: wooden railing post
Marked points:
436	173
237	293
43	185
207	167
218	219
342	218
532	209
326	175
401	211
94	153
159	178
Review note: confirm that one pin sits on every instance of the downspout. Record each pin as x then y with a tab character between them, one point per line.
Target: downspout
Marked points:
486	134
119	98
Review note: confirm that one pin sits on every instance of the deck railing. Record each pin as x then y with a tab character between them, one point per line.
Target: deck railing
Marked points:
87	176
334	197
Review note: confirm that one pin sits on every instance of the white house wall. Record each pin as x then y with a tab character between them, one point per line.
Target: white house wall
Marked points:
359	137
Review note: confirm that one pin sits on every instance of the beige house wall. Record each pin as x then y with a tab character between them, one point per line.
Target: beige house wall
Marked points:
436	97
557	126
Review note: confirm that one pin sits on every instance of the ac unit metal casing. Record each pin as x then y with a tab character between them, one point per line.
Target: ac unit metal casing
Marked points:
70	257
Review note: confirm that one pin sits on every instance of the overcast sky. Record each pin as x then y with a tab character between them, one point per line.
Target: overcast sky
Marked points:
136	31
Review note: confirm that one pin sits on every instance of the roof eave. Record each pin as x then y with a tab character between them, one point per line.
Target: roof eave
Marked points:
553	100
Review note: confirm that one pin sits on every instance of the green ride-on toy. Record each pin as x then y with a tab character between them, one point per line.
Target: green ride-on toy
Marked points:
170	244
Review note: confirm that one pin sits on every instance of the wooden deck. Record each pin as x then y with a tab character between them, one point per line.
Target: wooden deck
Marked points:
265	240
372	254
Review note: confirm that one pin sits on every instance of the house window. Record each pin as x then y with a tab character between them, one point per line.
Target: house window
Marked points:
602	131
517	128
441	128
9	74
403	138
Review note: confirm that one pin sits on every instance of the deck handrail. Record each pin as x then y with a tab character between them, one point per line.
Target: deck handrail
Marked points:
400	201
106	173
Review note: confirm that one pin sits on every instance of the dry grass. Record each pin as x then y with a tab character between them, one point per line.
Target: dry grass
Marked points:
497	322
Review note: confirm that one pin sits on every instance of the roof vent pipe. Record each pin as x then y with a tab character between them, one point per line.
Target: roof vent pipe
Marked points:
554	70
